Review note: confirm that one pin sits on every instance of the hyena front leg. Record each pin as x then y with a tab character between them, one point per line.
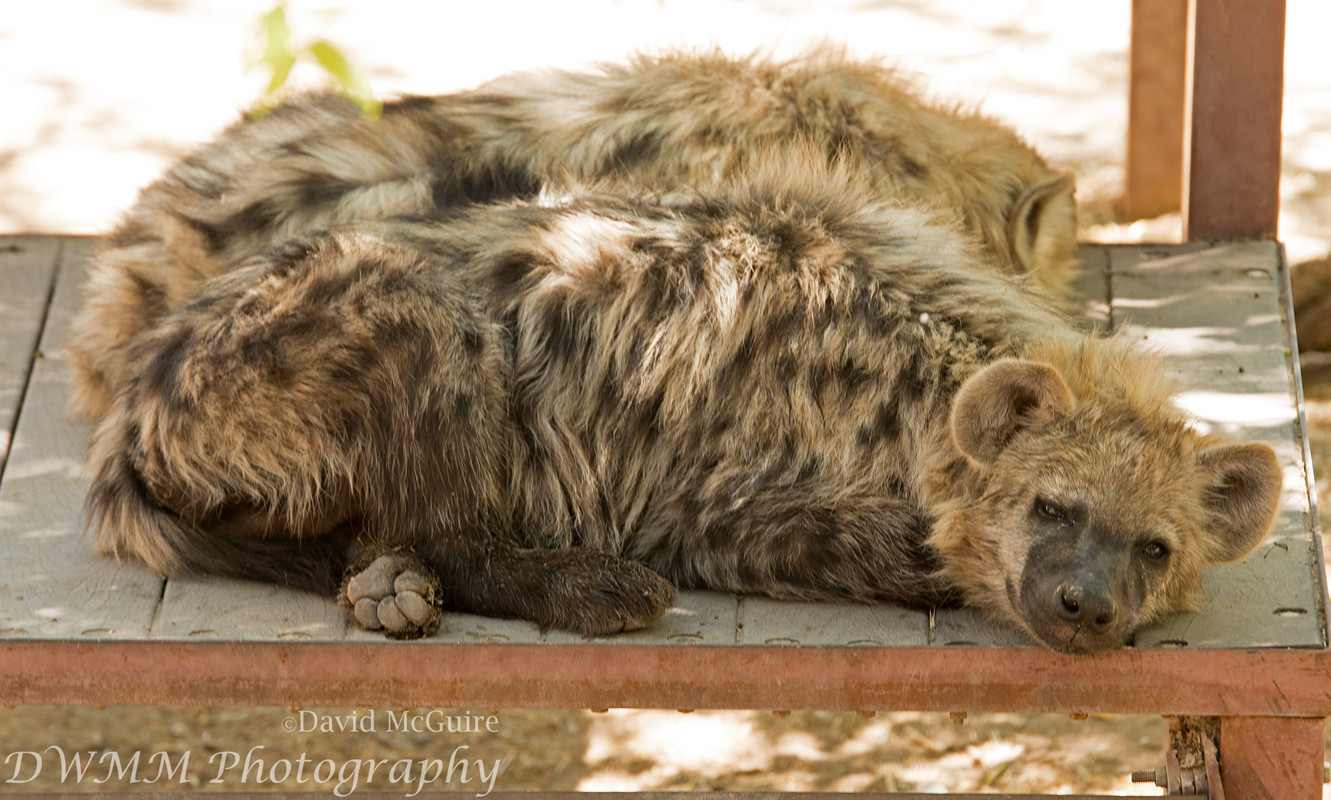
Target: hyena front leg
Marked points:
572	589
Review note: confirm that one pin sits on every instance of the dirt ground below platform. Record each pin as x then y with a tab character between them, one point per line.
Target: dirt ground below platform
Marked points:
523	750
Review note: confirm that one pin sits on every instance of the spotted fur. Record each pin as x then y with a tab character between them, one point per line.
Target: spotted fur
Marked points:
657	124
564	410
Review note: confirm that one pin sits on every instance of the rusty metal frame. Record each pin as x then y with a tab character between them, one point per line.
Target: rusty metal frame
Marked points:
1224	683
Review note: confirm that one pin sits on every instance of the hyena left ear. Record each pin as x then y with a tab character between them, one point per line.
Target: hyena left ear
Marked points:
1241	494
1043	224
1003	399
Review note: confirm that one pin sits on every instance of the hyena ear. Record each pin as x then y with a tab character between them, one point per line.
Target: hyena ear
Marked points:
1002	399
1241	494
1043	224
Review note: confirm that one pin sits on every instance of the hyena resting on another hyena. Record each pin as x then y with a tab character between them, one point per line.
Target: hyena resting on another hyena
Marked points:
659	124
562	411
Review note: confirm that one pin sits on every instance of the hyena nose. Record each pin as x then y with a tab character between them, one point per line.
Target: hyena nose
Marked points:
1086	607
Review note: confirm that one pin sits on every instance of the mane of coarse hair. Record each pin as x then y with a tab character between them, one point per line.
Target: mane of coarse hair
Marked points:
822	56
798	175
793	177
1111	369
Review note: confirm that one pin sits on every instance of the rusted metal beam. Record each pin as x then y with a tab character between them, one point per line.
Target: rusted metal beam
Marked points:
1158	66
1232	119
1269	757
961	679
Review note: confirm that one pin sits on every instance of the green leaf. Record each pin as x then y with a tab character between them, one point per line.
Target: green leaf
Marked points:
353	84
277	55
337	65
276	31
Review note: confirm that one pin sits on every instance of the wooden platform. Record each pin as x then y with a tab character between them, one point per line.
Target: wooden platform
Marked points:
76	627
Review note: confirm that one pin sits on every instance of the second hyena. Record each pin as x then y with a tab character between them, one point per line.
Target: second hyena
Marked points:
662	124
562	412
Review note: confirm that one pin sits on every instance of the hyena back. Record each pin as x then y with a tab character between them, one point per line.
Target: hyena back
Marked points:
663	124
560	413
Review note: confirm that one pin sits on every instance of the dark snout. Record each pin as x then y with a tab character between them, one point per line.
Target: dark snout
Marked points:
1079	596
1087	605
1078	614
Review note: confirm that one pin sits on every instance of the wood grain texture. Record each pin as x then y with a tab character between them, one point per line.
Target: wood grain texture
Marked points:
773	622
219	608
52	584
27	270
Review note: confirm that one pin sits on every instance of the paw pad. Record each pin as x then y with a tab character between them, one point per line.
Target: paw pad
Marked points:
395	594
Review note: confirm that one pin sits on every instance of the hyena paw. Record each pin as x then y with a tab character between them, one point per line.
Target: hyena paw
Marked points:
396	594
614	597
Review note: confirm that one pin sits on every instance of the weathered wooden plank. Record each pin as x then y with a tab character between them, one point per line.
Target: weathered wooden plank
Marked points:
1217	315
1089	287
966	627
1157	73
1236	58
471	629
219	608
27	269
775	622
52	586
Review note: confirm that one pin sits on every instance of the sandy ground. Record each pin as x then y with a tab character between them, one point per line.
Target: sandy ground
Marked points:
96	98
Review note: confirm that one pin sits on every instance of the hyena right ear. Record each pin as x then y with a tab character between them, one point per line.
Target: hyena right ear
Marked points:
1042	226
1242	496
1002	399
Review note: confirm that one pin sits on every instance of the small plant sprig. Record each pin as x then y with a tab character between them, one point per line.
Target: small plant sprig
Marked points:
280	56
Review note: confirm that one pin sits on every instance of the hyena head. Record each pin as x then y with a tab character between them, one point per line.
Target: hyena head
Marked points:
1099	508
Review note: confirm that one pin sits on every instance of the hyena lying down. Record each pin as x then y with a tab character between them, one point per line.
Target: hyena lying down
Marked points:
662	124
561	412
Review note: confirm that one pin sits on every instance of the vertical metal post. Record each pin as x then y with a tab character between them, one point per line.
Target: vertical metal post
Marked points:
1235	79
1153	183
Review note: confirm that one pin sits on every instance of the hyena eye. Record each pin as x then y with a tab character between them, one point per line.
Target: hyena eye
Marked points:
1052	512
1155	550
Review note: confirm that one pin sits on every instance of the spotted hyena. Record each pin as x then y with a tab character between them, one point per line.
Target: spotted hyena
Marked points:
681	121
562	411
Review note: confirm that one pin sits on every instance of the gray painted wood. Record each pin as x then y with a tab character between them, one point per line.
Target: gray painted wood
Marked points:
1217	315
27	269
52	585
1089	286
966	627
197	608
1211	311
777	622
